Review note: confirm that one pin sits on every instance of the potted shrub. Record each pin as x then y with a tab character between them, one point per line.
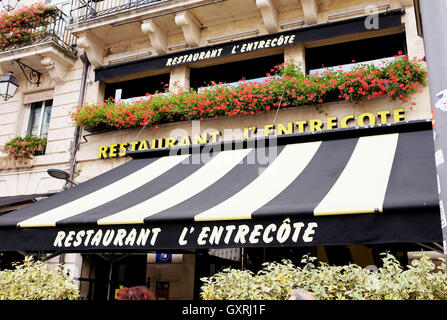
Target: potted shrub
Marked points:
33	280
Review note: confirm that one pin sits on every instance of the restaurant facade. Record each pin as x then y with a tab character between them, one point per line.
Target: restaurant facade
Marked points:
250	173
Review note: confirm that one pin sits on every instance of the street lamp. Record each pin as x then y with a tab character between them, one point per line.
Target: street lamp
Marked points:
60	174
8	86
9	5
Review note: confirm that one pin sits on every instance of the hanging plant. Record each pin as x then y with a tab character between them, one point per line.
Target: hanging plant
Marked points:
25	147
287	87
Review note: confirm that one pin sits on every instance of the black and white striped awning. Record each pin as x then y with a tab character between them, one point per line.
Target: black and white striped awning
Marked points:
369	185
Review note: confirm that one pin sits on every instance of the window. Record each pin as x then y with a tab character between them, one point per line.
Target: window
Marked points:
137	87
39	118
235	71
371	50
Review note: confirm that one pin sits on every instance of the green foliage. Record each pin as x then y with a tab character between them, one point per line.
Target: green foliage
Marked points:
25	147
33	280
421	281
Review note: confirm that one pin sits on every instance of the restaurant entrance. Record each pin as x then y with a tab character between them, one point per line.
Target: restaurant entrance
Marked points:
128	270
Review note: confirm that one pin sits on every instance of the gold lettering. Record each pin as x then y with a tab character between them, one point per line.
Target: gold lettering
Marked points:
383	116
186	141
170	142
331	123
133	145
154	144
113	150
283	130
246	132
399	115
102	152
143	145
370	116
301	124
123	148
199	139
345	119
267	129
315	125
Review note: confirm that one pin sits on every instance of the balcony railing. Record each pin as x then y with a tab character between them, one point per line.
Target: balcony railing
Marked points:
49	27
89	9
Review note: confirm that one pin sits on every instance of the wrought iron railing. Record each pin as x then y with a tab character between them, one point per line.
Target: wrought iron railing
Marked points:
89	9
50	26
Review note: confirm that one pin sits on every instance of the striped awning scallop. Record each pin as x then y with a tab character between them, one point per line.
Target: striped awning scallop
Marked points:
364	185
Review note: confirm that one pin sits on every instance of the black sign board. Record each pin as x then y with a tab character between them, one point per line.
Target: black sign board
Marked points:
276	232
287	38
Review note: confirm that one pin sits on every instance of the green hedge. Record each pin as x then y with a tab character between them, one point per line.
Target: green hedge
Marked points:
422	280
33	280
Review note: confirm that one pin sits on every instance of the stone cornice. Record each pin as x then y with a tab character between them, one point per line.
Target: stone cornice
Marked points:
11	163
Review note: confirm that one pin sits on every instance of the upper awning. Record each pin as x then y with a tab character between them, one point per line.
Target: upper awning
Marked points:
352	186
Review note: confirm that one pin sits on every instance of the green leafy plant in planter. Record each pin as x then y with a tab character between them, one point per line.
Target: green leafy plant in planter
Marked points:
422	280
25	147
33	280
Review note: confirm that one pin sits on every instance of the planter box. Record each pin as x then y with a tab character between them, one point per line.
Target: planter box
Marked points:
99	129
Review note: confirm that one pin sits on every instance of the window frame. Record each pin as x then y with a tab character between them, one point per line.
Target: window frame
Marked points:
28	128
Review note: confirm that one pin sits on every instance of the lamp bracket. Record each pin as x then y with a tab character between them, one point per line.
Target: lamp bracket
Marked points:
32	75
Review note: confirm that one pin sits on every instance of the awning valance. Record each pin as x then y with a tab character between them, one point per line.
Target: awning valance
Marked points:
370	185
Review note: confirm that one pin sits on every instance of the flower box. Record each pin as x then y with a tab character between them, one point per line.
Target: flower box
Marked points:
397	80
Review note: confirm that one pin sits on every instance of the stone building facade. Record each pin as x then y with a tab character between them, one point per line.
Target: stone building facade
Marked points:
112	32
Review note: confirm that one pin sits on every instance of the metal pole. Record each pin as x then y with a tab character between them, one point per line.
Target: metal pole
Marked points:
76	135
434	24
109	285
243	258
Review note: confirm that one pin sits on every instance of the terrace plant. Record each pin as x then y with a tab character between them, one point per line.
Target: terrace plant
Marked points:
421	281
286	87
33	280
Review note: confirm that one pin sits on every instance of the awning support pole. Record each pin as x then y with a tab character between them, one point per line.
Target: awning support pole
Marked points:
23	253
45	258
109	284
112	259
243	258
439	250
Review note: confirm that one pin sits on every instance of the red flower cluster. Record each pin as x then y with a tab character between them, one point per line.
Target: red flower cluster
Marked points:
289	87
19	27
397	80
